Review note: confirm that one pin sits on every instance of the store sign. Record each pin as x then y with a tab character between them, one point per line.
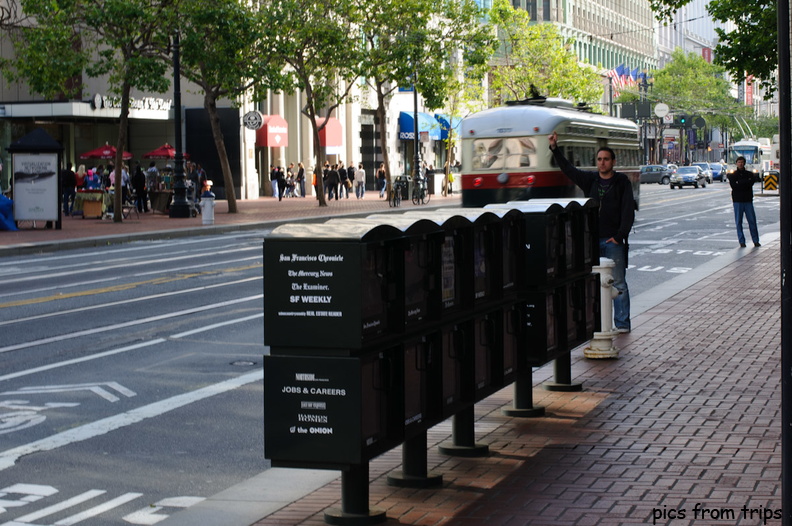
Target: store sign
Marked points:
146	103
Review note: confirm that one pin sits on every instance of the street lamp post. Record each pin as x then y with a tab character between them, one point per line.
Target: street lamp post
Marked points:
417	154
179	207
643	89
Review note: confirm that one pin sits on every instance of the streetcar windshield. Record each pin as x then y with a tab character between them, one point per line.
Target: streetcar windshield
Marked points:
751	154
510	152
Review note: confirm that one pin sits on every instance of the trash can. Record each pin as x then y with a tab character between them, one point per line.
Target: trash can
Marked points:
207	207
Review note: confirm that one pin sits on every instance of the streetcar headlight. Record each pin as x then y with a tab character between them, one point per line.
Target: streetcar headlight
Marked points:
503	178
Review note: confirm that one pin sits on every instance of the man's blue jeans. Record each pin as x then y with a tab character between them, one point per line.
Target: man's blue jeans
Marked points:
621	303
746	209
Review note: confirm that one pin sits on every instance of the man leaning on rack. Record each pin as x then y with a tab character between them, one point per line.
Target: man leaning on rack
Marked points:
613	191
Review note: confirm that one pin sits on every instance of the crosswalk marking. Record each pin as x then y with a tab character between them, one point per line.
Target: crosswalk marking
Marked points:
98	510
55	508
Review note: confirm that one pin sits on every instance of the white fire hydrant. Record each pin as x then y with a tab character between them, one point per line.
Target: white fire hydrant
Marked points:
207	207
601	345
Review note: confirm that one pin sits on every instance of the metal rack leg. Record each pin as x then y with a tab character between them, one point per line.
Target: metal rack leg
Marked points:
463	437
414	466
522	405
354	500
563	376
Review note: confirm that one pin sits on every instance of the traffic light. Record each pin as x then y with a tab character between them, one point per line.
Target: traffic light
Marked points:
683	119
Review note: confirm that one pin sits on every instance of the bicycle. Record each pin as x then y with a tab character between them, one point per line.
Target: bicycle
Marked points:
396	192
420	194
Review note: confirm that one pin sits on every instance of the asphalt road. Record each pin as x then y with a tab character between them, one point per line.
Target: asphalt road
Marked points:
131	380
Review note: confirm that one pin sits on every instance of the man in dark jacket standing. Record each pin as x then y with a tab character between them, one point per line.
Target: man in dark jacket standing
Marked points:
69	185
613	191
742	181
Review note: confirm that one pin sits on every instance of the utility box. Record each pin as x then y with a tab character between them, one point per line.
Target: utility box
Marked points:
421	265
487	354
513	341
345	282
543	242
422	383
582	222
457	391
542	323
332	412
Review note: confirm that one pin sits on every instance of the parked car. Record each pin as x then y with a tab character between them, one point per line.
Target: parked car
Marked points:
655	173
706	168
718	172
688	175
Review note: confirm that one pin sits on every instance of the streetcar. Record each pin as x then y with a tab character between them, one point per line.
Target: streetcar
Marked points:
506	155
752	151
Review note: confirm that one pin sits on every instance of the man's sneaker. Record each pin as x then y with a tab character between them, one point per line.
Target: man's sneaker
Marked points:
757	244
742	245
622	330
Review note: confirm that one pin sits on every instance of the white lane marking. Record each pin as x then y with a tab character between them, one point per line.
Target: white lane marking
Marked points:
127	301
9	457
63	505
96	356
93	387
31	492
98	510
110	328
217	325
76	284
136	248
68	270
148	515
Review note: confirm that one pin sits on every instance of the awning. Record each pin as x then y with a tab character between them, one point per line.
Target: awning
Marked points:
332	134
274	132
426	123
446	123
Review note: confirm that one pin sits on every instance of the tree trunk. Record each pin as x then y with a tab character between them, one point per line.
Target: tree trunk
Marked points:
383	138
210	103
310	111
118	198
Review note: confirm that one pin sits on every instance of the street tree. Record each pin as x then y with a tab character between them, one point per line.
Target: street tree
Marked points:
322	52
424	44
125	40
691	85
751	47
536	58
239	62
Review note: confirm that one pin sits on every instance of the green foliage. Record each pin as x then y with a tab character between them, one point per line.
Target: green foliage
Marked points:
751	48
691	85
239	57
537	55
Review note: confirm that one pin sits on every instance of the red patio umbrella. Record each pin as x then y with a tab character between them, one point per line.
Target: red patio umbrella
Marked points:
166	151
104	152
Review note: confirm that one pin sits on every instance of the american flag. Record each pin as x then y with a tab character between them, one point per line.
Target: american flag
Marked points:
616	79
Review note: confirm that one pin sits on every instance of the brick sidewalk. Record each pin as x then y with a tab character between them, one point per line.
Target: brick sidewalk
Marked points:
690	414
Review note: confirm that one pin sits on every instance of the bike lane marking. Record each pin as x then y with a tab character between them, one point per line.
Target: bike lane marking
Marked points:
9	457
